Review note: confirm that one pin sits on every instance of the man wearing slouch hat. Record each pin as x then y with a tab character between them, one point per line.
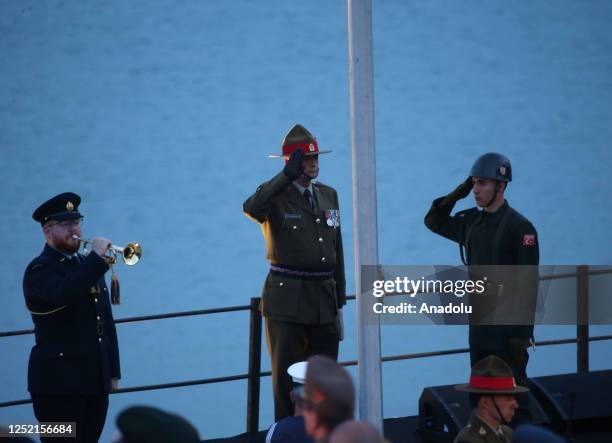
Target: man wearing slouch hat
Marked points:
492	391
304	291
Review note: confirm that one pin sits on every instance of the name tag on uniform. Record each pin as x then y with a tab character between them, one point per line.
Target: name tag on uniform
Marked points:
332	217
292	216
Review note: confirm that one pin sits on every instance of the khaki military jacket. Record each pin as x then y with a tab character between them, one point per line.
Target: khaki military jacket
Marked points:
477	431
300	238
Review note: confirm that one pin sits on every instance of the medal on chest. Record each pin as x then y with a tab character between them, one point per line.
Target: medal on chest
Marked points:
332	217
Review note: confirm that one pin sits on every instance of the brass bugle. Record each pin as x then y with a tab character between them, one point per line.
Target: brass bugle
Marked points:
131	252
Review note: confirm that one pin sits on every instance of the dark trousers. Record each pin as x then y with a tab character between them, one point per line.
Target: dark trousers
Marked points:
289	343
88	411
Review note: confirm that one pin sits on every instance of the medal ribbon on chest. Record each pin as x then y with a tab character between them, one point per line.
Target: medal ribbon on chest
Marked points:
332	217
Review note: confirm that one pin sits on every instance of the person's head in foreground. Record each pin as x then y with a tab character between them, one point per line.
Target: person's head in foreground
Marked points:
327	398
145	424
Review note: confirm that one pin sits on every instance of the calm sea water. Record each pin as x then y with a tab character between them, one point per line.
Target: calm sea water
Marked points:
161	115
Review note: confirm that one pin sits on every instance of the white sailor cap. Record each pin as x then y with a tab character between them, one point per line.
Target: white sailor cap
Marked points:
297	371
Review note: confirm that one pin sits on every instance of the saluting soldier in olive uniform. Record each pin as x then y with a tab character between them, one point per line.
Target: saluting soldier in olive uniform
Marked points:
304	292
495	234
75	362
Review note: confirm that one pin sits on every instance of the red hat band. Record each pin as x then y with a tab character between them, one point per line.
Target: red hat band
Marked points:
480	382
311	148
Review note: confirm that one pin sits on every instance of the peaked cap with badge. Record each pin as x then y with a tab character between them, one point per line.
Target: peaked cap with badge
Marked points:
492	376
299	137
62	207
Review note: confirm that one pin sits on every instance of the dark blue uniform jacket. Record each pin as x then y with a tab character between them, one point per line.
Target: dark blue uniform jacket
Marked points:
76	349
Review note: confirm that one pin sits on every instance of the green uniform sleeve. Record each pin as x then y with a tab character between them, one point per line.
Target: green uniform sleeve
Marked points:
257	206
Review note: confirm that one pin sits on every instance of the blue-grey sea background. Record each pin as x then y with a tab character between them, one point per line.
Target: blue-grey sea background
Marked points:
161	115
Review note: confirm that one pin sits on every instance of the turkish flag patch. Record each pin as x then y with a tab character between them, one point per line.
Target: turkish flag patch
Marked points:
528	239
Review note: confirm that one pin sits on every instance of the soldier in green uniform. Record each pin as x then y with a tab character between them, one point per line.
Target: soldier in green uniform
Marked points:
492	389
304	291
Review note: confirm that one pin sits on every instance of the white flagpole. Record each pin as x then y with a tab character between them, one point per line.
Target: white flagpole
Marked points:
364	205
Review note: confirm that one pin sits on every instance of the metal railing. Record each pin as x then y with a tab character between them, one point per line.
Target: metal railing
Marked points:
255	336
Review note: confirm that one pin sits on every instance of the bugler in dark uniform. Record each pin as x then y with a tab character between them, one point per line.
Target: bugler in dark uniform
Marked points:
76	354
305	287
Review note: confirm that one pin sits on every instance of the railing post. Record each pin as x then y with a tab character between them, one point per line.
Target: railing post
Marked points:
252	423
582	320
